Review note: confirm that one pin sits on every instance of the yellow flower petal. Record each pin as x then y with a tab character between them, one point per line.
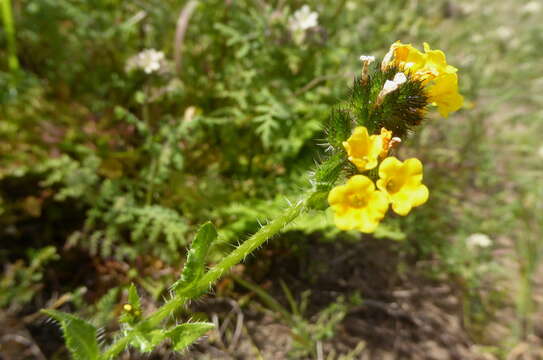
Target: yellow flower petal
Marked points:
388	167
361	184
420	195
401	205
336	194
379	203
367	224
413	169
444	93
348	221
436	61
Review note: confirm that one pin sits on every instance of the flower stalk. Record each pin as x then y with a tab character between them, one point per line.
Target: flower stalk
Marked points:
204	283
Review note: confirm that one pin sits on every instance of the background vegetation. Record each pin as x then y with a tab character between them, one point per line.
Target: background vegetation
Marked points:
106	172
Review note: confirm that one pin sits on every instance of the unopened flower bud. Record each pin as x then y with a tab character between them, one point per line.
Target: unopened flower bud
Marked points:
395	141
390	86
387	59
400	78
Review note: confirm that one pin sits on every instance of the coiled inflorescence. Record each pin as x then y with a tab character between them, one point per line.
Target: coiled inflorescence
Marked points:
386	103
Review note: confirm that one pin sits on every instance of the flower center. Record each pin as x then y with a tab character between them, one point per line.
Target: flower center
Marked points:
358	201
393	186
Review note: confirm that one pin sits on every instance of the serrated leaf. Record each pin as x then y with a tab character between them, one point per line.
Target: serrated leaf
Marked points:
185	334
195	265
80	336
146	342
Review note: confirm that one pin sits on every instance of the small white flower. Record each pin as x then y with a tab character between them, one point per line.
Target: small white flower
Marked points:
303	19
366	59
478	240
148	60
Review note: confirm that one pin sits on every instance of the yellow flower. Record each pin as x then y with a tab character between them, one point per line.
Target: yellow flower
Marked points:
443	92
386	136
363	149
430	67
358	205
402	184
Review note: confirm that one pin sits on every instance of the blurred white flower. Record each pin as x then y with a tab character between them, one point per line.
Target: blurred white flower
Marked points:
540	151
532	7
300	21
504	32
351	5
477	38
469	8
303	19
478	240
148	60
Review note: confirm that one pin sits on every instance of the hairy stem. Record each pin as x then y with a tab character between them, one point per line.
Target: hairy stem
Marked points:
250	245
235	257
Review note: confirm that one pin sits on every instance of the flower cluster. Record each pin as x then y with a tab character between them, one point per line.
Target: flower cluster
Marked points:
439	78
360	204
386	104
148	60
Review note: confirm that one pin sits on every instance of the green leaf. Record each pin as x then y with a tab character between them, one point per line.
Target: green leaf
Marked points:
195	265
185	334
80	336
133	297
146	342
131	314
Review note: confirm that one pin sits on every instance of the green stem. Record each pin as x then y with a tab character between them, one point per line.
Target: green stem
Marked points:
154	160
255	241
7	19
235	257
